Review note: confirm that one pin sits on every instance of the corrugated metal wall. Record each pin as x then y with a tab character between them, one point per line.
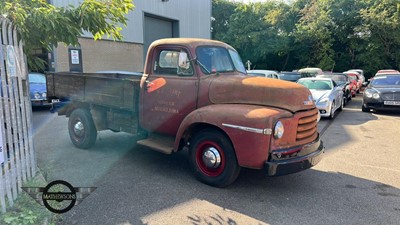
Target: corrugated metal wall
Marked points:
193	16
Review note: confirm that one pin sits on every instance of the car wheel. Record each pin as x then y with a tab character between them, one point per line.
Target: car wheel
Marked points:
364	109
213	158
343	102
81	128
332	114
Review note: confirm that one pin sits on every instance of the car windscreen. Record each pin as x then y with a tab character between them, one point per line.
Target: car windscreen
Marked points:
256	74
392	80
37	78
289	77
316	84
339	79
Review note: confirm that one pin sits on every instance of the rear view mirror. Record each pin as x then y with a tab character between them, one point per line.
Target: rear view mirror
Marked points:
183	60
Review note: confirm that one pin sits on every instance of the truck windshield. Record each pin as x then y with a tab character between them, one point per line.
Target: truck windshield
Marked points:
218	60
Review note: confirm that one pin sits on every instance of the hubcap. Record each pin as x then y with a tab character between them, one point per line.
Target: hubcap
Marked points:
78	128
211	158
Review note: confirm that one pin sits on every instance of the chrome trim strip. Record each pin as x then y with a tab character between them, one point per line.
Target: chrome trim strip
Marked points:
266	131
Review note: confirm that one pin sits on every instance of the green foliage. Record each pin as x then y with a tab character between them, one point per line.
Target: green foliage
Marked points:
42	25
332	34
25	209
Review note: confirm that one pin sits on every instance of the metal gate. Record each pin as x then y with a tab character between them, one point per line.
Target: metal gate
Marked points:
17	159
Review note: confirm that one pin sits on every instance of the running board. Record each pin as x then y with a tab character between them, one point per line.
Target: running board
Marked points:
163	144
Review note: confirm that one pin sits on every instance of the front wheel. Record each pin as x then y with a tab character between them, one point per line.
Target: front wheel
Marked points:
343	103
213	158
364	109
332	114
82	130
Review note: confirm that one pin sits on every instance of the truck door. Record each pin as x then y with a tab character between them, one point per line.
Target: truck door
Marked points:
169	94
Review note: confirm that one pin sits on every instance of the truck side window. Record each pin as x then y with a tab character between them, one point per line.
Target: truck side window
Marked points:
167	64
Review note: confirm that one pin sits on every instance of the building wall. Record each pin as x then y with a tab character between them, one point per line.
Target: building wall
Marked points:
193	17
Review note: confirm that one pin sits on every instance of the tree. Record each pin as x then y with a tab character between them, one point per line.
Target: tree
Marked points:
380	29
42	25
221	12
315	30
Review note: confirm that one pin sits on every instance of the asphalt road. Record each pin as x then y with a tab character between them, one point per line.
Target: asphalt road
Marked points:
357	182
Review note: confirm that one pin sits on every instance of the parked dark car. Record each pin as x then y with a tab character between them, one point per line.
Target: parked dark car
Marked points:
383	93
290	76
37	87
343	81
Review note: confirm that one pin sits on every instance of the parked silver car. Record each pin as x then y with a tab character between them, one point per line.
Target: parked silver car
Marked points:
264	73
327	95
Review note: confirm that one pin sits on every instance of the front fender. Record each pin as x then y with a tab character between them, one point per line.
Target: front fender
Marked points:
248	127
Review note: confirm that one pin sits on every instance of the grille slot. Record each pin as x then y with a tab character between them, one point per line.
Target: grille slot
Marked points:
307	126
391	96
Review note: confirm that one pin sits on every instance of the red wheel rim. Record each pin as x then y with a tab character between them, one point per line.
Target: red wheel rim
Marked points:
214	151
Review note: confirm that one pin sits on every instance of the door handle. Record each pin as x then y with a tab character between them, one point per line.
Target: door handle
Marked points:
148	84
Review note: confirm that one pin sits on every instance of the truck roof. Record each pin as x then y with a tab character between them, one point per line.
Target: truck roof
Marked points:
193	42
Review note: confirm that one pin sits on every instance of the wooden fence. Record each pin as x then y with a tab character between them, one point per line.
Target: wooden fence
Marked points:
16	145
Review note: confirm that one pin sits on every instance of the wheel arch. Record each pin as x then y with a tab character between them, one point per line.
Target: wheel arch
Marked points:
251	145
70	107
195	128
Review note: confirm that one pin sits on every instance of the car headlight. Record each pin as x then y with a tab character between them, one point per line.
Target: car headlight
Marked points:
278	130
36	95
375	96
368	94
44	95
323	101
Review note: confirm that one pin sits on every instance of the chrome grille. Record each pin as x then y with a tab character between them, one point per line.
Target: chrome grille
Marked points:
307	126
391	96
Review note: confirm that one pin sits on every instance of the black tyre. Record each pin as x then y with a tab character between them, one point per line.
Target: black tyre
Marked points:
82	130
344	100
364	109
332	114
213	158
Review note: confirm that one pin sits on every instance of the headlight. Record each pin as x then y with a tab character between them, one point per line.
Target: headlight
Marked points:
323	101
375	96
36	95
368	94
279	130
44	95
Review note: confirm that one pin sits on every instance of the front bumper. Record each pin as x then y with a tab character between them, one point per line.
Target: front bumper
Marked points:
295	159
381	106
39	102
324	109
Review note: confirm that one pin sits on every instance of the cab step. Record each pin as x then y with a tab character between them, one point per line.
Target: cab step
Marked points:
160	143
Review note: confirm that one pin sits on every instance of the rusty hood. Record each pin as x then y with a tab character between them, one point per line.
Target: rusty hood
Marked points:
236	89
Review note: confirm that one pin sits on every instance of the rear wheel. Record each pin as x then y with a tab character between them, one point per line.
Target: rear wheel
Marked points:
82	130
213	158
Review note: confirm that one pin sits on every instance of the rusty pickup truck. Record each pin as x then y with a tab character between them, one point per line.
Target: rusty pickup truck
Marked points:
195	95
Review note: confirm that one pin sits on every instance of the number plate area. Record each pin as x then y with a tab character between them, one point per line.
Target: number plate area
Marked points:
392	103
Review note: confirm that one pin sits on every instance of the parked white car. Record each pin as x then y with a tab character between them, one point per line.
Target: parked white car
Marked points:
264	73
327	95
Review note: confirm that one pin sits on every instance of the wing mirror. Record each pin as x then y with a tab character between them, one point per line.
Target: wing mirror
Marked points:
183	60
